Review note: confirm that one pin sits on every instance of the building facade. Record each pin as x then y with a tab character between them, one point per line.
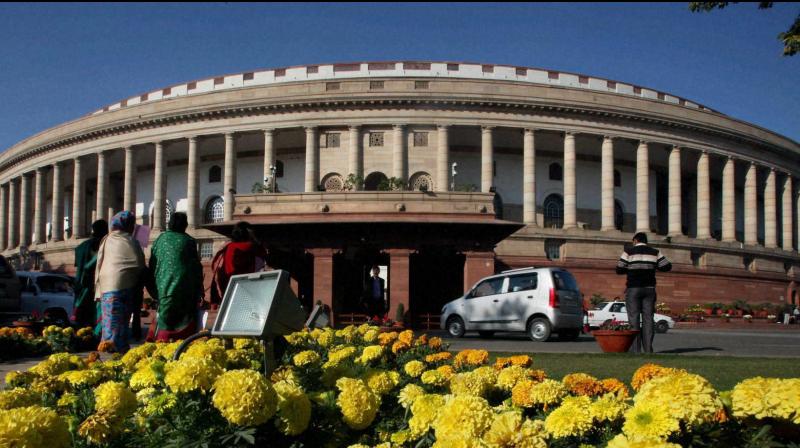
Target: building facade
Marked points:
441	172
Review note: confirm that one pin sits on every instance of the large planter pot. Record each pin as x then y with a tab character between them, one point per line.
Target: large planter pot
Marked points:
615	341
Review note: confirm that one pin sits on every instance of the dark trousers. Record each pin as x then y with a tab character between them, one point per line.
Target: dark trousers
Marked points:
641	301
376	307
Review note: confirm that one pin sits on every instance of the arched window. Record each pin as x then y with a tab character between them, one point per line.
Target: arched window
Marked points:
617	179
214	174
554	212
619	215
215	210
333	182
372	181
421	181
556	173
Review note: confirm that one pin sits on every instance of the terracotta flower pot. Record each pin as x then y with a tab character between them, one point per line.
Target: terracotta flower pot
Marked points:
615	341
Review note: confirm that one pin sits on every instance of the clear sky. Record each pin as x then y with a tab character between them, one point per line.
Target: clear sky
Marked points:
59	62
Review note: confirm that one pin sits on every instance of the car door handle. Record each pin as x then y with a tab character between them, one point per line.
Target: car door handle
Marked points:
495	300
530	297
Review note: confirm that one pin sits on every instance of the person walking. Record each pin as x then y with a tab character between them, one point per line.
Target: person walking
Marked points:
640	263
243	255
86	312
178	281
119	277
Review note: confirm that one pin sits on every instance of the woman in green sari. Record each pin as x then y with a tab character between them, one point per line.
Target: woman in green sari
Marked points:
178	277
87	311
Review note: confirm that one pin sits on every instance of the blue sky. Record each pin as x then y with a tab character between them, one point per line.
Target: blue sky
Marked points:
59	62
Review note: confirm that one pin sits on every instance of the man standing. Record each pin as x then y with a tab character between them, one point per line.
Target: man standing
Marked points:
640	263
374	290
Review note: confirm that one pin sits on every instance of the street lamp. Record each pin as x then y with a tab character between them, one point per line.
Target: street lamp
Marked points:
453	174
273	180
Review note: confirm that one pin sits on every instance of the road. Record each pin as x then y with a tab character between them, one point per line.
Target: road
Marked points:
676	341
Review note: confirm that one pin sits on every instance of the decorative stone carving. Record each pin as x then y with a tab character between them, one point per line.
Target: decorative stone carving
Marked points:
324	208
421	181
333	182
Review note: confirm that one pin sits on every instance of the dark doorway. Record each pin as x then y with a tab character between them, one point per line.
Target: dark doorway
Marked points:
436	277
301	268
351	269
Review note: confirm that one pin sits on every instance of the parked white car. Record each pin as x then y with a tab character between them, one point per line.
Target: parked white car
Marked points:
48	295
537	301
608	311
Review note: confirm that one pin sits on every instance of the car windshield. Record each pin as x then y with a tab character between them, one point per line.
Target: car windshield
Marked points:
600	306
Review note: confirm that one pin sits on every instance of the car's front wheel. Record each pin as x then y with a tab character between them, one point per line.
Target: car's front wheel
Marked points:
539	329
455	327
662	326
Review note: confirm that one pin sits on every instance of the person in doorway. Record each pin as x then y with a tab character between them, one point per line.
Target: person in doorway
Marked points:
178	278
243	255
119	278
640	263
86	311
374	291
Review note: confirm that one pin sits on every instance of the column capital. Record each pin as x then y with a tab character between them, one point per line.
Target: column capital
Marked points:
610	137
644	143
442	127
486	129
192	138
310	129
570	134
354	127
529	130
675	148
158	143
229	135
269	131
398	127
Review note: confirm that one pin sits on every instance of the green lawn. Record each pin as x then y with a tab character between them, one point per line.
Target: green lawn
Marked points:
723	372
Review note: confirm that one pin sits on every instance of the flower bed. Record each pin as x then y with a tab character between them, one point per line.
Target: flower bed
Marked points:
360	387
21	342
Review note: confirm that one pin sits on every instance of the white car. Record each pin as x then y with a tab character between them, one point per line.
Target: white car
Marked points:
608	311
49	295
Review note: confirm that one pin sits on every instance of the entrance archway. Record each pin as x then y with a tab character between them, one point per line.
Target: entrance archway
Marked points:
374	180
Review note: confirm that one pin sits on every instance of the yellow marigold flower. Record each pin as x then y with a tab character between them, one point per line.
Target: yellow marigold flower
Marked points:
251	344
100	429
159	404
400	438
767	398
572	419
187	375
18	398
358	403
463	415
33	427
57	364
510	376
371	336
297	338
48	384
457	441
408	394
342	354
406	337
582	384
648	421
616	387
115	399
387	338
414	368
382	382
447	371
85	331
145	395
237	359
286	374
67	400
423	412
470	357
208	349
305	358
546	393
473	383
510	430
688	398
325	337
244	397
165	350
438	357
433	378
294	409
370	353
608	408
144	377
649	371
620	441
82	378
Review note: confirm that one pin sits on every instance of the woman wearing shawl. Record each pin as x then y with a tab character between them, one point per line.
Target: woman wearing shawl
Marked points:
120	272
243	255
87	311
178	275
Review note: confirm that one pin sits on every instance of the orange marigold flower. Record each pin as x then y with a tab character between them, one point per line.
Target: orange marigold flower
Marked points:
422	340
517	360
537	375
616	387
107	347
400	346
649	371
385	339
92	358
447	371
438	357
470	357
583	384
435	343
406	337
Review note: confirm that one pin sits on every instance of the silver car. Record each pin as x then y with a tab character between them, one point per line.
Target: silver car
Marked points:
48	295
538	301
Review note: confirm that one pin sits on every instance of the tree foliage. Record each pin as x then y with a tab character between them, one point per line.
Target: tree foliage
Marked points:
790	38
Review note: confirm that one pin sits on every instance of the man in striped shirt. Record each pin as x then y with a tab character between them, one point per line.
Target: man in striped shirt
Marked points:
640	263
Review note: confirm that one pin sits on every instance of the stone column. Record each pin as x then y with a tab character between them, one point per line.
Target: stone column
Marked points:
129	195
399	271
355	161
643	187
703	198
57	214
159	188
770	212
25	211
442	180
751	205
729	201
13	223
39	211
229	184
269	154
674	198
78	196
570	196
487	159
323	278
786	205
399	153
312	158
477	265
3	217
607	185
192	184
529	178
101	204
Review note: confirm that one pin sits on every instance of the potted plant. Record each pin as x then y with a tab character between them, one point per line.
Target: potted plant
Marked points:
741	307
663	308
615	336
399	317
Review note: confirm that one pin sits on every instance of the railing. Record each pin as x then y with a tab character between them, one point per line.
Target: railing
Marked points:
427	321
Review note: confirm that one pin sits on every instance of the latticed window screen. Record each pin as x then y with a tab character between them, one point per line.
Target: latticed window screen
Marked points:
376	139
552	249
206	250
215	210
332	140
420	139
